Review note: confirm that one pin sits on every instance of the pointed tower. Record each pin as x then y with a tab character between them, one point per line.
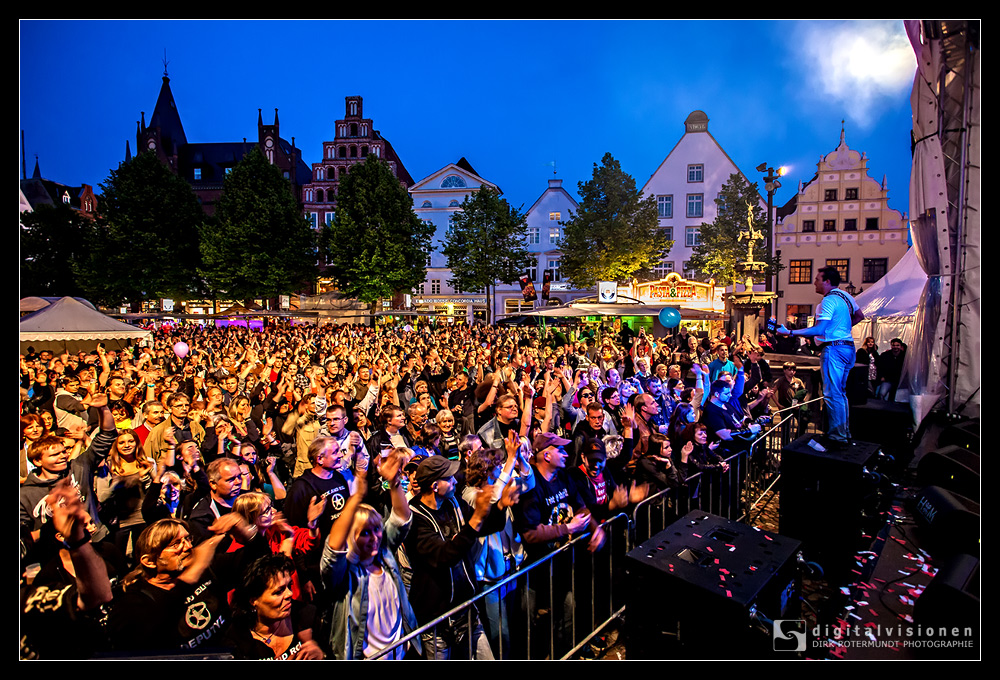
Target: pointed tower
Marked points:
164	135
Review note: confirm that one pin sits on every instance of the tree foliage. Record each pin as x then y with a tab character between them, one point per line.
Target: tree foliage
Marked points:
721	248
145	241
376	245
486	243
615	233
53	240
259	245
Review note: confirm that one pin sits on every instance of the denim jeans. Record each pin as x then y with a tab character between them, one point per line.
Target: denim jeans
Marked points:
837	362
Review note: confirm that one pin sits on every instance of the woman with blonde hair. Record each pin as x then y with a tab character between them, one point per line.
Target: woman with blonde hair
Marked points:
371	610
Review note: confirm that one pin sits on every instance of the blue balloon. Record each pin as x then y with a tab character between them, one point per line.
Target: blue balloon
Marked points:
670	317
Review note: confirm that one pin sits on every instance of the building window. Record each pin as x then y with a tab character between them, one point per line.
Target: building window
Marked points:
871	224
843	266
696	203
329	218
553	235
532	272
874	269
453	181
197	174
696	173
668	232
312	220
801	314
426	204
851	194
692	236
665	206
800	271
309	195
830	195
319	174
554	269
555	215
829	225
228	171
688	270
534	236
435	286
808	226
850	224
453	204
663	268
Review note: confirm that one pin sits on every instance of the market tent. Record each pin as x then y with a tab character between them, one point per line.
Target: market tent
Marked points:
890	305
71	326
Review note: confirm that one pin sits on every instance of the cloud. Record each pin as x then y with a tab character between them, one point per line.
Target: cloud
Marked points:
863	66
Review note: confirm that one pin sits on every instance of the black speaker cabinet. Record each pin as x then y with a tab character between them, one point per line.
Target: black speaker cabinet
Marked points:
693	586
952	521
888	423
952	467
966	435
829	499
950	606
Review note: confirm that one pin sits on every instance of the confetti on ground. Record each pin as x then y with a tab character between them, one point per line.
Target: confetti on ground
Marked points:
729	594
845	591
873	612
696	535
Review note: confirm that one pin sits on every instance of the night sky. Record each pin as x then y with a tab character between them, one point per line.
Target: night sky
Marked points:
510	96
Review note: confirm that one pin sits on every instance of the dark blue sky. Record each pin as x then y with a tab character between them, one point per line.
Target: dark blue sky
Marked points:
511	96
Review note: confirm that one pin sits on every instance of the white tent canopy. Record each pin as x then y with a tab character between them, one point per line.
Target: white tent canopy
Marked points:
890	305
71	326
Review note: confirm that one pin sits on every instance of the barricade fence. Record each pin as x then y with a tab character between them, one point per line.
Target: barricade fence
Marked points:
554	607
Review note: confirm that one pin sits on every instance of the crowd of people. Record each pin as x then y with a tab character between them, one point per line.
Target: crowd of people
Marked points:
304	492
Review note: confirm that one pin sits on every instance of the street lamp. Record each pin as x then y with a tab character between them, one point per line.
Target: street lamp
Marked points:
771	184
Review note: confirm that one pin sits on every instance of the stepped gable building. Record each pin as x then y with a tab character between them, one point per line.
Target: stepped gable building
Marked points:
355	140
204	165
686	185
841	217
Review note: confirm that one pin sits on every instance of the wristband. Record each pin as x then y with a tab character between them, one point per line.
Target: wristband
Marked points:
80	542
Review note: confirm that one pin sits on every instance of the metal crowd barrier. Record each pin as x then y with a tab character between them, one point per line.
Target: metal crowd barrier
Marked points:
574	575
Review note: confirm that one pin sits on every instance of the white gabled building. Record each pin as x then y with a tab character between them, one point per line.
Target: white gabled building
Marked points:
555	205
686	185
435	199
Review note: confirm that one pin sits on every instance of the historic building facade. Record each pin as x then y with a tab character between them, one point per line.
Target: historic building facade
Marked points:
205	165
841	217
685	186
544	219
435	199
355	138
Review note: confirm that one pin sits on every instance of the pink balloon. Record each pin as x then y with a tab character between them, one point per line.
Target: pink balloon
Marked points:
181	349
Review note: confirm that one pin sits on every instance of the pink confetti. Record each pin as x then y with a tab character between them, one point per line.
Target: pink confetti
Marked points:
768	537
873	612
728	594
696	535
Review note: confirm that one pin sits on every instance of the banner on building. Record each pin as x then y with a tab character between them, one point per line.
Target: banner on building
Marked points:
528	289
607	291
546	284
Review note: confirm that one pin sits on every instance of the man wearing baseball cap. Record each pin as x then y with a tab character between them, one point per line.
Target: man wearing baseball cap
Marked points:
444	530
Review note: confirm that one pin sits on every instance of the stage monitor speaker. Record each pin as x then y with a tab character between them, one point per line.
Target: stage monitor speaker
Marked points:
965	435
950	605
692	588
952	521
829	499
888	423
953	468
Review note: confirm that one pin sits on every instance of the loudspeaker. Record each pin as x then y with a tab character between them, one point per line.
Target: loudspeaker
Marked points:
887	423
965	435
693	586
952	521
829	499
950	603
951	467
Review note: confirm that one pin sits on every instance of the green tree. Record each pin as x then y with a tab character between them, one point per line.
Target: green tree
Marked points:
145	241
53	239
376	245
260	244
485	243
721	247
615	233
